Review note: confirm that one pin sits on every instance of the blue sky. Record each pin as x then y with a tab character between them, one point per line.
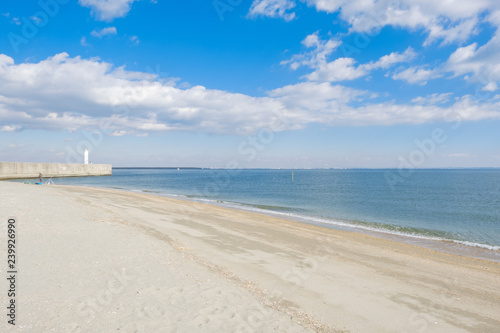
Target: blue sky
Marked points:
251	83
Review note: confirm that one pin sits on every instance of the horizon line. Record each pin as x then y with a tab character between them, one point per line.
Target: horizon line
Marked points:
332	168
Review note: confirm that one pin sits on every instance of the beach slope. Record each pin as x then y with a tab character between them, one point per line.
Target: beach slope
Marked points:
96	260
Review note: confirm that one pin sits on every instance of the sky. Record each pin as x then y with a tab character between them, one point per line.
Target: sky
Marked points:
251	83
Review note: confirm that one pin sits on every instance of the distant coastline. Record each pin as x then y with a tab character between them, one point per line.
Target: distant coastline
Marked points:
168	168
212	168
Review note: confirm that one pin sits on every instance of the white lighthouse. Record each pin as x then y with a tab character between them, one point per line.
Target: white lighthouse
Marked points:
86	156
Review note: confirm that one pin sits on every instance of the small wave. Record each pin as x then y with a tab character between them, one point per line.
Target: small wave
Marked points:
483	246
268	207
414	233
177	195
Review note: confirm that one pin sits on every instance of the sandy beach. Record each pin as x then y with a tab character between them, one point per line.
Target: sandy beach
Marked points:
98	260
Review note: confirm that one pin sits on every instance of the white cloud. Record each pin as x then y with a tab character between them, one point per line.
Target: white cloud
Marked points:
272	8
491	86
321	49
64	93
83	41
104	32
389	60
462	54
451	21
8	128
339	69
135	40
415	75
480	65
328	104
459	32
107	10
317	97
5	60
434	99
459	155
120	133
36	19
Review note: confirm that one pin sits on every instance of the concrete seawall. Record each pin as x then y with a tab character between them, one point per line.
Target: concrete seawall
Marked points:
15	170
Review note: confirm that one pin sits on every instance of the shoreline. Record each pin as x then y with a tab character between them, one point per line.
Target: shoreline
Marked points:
456	247
219	268
450	246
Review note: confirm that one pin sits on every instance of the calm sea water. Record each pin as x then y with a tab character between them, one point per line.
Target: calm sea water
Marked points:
455	206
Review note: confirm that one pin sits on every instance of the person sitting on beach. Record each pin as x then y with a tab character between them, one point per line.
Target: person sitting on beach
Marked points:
40	178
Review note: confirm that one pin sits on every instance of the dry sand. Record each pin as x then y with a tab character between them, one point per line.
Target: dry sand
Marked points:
93	260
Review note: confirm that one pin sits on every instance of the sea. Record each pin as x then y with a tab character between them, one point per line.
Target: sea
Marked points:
451	210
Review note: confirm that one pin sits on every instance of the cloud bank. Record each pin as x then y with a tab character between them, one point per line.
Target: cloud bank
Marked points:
65	93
